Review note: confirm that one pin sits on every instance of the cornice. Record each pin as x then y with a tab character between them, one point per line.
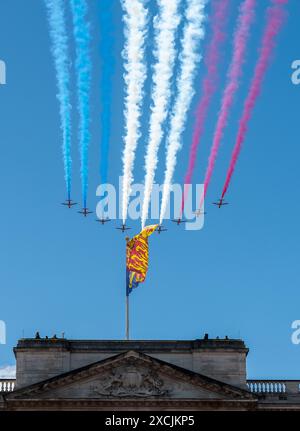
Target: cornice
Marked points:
133	403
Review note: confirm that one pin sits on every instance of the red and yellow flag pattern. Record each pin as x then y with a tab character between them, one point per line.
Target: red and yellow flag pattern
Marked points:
137	258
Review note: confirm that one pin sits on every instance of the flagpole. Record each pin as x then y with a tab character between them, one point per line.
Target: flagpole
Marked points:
127	302
127	317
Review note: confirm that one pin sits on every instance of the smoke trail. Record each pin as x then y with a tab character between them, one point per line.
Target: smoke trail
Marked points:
59	39
241	37
193	33
135	19
211	60
106	47
83	69
165	24
275	17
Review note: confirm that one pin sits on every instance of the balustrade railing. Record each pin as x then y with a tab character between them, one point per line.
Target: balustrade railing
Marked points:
255	386
274	386
7	385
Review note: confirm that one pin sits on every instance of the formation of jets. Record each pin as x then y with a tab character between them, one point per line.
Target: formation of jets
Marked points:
85	212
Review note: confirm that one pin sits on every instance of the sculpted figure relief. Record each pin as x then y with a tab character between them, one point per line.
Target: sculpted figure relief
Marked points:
132	382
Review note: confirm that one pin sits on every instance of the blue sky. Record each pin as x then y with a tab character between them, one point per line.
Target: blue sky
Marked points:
239	276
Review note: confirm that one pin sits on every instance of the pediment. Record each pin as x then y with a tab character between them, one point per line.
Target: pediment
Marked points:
131	375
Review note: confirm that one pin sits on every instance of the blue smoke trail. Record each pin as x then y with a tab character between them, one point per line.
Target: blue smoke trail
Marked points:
59	40
106	47
83	69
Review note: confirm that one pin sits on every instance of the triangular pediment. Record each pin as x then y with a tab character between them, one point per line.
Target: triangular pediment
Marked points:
131	375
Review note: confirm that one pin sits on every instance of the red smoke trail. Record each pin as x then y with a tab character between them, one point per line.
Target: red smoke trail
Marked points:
275	17
211	60
241	37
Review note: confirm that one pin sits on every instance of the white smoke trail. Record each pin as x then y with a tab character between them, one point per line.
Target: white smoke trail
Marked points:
165	25
193	34
60	51
135	19
83	66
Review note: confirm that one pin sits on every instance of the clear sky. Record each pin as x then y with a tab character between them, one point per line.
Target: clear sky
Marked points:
59	272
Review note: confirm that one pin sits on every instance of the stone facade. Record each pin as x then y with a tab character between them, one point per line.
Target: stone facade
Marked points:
224	360
60	374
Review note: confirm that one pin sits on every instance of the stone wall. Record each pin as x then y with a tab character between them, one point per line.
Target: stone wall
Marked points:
40	359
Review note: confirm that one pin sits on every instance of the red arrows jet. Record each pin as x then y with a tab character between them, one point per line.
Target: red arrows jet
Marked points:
198	213
103	220
69	203
123	227
85	212
178	221
220	203
161	229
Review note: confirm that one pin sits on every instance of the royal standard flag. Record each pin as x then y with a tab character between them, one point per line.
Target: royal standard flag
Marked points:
137	257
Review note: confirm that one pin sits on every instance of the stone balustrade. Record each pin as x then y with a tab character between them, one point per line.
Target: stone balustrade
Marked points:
274	386
7	385
255	386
